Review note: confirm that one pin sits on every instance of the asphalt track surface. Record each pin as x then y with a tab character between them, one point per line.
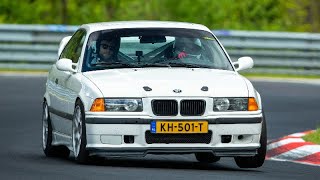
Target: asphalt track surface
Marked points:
289	108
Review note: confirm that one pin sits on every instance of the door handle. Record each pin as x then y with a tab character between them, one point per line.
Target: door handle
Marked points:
56	81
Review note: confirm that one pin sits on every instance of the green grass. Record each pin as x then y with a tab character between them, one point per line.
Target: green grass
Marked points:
313	137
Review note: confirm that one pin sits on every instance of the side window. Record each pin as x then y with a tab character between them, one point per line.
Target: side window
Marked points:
73	48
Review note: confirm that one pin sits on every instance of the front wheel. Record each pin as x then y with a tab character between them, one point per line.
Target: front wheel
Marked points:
48	149
79	140
257	160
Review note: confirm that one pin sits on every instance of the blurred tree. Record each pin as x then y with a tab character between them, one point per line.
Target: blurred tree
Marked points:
275	15
111	8
64	11
303	15
314	15
229	14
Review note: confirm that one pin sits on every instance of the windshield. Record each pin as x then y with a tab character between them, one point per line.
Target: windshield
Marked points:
162	47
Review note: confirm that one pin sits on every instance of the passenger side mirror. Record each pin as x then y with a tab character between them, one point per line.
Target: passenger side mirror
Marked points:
65	65
243	63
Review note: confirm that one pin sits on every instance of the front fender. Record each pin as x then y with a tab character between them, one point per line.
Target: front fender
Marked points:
88	93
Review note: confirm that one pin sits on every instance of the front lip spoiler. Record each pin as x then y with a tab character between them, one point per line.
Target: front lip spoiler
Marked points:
103	120
141	152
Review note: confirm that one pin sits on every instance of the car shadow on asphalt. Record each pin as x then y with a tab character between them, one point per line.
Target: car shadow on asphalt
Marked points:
165	164
153	163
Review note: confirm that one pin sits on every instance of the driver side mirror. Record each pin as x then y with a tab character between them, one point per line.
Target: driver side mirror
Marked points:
243	63
65	64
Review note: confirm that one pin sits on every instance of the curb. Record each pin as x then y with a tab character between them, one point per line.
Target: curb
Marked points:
294	149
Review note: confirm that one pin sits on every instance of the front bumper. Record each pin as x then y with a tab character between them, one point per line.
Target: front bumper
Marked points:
105	136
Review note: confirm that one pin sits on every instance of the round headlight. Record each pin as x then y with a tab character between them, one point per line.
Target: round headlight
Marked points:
221	104
240	104
131	105
112	105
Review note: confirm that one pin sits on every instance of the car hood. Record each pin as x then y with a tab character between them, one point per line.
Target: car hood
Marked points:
168	82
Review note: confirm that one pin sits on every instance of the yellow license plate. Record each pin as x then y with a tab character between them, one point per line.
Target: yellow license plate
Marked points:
171	127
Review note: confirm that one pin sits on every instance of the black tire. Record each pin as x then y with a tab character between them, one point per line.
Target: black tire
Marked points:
48	149
83	155
61	151
257	160
206	157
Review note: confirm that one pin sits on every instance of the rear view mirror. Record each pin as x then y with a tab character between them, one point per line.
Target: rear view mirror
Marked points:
243	63
153	39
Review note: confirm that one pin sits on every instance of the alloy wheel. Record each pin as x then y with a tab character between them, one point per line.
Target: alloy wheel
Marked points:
77	131
45	129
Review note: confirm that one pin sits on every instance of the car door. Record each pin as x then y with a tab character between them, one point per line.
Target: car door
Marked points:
66	86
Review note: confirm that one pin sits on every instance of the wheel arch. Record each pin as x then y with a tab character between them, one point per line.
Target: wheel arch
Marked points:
46	98
85	100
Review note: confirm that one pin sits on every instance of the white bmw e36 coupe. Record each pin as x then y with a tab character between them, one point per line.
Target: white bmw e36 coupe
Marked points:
166	88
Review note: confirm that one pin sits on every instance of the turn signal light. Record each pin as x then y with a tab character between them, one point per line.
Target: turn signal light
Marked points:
252	104
98	105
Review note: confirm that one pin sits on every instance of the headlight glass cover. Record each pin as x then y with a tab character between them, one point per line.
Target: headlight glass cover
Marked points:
123	105
230	104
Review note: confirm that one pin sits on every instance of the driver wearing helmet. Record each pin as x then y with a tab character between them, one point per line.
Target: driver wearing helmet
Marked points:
107	47
186	47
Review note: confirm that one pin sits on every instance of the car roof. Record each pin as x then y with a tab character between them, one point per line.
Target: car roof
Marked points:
142	24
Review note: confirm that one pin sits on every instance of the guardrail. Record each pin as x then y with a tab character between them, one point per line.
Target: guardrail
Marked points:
275	52
34	47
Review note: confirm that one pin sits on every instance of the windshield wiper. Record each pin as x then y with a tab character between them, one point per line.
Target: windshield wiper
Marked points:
154	65
187	65
115	64
127	65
